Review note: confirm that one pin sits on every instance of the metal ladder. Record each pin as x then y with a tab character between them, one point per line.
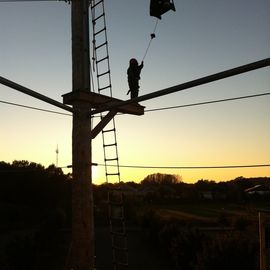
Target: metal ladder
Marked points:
104	85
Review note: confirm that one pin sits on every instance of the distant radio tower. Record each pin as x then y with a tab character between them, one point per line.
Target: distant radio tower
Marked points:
57	152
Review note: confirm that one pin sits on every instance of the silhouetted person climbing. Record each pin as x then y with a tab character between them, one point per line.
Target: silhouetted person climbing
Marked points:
133	72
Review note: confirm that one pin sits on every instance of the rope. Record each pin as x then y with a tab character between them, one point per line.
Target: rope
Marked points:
94	41
92	67
92	78
153	35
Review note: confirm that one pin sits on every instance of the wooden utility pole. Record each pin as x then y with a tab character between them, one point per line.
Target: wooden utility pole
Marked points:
82	250
83	100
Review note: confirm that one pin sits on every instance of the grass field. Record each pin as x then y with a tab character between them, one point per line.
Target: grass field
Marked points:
210	212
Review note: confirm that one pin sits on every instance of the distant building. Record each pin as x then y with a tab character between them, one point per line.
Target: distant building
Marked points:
258	189
207	195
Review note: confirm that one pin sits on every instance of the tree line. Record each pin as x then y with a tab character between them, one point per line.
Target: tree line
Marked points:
38	198
32	186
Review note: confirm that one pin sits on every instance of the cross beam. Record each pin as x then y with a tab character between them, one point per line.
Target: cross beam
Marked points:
187	85
97	101
100	126
34	94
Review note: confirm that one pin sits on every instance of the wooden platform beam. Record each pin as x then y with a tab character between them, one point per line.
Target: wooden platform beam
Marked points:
98	101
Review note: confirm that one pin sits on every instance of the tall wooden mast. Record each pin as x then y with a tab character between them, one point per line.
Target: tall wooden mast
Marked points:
82	251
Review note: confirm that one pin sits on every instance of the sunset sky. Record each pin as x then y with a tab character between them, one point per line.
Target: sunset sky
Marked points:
199	39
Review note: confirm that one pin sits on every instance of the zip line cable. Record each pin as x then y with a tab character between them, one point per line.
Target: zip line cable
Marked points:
33	108
207	102
191	167
180	167
150	110
160	167
152	167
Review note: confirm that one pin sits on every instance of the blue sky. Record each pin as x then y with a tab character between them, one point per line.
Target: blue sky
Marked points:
200	38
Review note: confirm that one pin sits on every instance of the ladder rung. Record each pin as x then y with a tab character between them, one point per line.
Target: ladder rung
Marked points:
117	211
115	188
117	218
111	159
108	130
119	203
119	233
116	204
100	31
117	224
98	61
123	234
100	16
101	45
120	248
109	145
96	4
121	264
112	174
112	197
105	87
117	227
104	73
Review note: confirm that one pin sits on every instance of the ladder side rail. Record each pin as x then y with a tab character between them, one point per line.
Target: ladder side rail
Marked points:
107	49
115	205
